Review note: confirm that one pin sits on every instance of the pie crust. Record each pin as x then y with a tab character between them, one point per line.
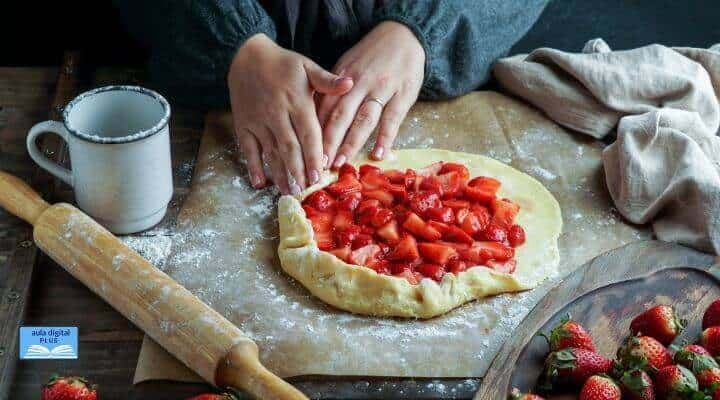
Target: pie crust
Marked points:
361	290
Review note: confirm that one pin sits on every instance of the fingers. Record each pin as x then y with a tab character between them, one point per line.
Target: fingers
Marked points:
326	82
338	123
250	147
277	169
365	121
325	106
289	151
309	134
392	116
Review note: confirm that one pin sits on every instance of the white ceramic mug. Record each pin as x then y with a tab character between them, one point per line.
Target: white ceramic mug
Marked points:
119	144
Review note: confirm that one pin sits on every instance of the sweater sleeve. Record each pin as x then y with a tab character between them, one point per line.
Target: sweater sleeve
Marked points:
461	38
192	43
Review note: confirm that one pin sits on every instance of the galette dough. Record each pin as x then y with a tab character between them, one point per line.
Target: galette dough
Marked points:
361	290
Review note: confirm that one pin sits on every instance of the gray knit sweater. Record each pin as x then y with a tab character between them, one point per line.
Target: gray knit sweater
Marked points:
192	42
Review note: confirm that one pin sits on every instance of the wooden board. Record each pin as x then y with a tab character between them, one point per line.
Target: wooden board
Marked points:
604	295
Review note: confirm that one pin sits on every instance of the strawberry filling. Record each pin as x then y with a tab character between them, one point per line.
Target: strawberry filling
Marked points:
416	224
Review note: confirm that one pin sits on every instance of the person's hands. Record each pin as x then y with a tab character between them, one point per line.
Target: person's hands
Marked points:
388	64
271	93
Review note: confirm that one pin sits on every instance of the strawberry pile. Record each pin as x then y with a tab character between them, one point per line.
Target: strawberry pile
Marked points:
415	224
645	367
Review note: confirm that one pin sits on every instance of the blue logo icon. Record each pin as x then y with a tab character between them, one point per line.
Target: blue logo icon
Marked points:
48	342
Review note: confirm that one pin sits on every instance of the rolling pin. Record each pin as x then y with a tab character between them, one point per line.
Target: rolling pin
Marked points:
186	327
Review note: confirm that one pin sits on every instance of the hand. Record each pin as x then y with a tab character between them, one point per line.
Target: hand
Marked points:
387	64
271	93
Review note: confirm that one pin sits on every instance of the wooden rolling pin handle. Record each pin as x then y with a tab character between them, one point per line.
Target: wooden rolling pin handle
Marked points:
241	368
20	199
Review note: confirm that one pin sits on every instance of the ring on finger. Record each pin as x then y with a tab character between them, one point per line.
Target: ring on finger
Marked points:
376	100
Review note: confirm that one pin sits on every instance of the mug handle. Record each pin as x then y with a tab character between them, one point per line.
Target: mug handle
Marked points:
52	167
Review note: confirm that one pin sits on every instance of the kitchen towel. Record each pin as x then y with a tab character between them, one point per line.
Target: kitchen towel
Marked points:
661	107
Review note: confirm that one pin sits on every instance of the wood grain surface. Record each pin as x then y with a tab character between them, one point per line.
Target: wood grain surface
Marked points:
604	295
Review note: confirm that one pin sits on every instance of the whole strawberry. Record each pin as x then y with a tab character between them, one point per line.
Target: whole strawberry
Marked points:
659	322
599	387
517	395
569	334
699	362
637	385
712	315
710	339
675	382
643	352
572	367
213	396
68	388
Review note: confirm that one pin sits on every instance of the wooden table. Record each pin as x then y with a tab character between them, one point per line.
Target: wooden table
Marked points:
110	344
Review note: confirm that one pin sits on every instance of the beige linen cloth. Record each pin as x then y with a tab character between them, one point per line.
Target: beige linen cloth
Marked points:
662	103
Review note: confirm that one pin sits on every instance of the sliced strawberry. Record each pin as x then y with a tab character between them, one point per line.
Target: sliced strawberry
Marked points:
475	255
389	232
321	221
432	271
456	204
439	226
384	197
432	184
341	252
395	176
415	225
455	234
364	255
486	183
365	168
349	202
366	214
362	240
436	253
410	179
342	220
431	170
346	184
460	215
405	250
398	191
368	230
347	169
506	267
347	235
457	266
461	170
309	211
384	248
412	277
373	180
380	266
455	245
399	267
442	214
504	212
419	202
494	233
367	203
451	184
382	217
320	200
479	194
516	235
483	215
498	251
471	224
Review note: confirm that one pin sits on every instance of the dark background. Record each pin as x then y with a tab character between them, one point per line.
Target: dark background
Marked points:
36	33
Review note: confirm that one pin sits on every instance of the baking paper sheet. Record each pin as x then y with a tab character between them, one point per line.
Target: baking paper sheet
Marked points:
224	252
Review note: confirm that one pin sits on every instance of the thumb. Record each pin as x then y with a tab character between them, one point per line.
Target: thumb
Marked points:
326	82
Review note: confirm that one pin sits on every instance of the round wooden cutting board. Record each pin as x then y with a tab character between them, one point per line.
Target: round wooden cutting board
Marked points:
604	295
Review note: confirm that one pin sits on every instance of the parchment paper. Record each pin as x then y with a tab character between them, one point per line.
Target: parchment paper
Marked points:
224	252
